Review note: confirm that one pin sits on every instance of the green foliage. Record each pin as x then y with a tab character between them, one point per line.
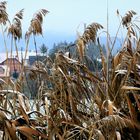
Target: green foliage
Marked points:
92	59
60	47
43	49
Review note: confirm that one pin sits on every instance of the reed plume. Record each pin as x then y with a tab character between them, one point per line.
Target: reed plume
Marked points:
3	13
15	28
36	23
89	35
128	18
35	28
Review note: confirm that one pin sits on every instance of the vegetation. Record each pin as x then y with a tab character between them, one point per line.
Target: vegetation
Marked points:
72	102
43	49
91	56
61	47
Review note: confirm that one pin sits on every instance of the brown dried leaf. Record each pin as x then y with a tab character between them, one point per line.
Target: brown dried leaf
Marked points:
30	131
11	129
130	88
110	107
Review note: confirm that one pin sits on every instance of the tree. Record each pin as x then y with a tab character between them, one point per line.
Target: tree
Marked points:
57	47
43	49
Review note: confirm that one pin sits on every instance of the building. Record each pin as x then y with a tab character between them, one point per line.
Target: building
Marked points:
32	59
4	71
13	63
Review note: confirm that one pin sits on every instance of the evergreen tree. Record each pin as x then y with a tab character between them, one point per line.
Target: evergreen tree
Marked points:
43	49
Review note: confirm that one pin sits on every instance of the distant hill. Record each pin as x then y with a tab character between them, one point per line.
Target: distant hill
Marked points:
50	38
117	45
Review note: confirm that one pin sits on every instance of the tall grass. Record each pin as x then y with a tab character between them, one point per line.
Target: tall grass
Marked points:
73	102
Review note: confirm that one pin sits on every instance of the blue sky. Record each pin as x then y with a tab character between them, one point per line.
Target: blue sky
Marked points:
66	17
